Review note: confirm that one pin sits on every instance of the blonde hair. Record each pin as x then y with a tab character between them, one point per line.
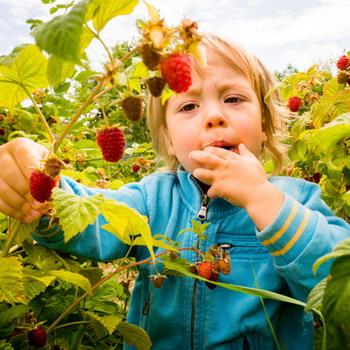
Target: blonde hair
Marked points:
264	84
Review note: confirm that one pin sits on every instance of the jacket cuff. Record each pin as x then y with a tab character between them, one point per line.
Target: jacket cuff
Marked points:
287	237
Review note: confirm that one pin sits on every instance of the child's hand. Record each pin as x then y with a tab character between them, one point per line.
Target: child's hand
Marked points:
234	177
17	159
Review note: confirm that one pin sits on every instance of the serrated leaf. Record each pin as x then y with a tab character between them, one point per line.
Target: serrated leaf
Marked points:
331	133
11	281
36	282
75	213
74	278
16	311
341	249
110	322
42	258
23	231
125	222
336	306
62	35
27	69
134	336
102	11
315	297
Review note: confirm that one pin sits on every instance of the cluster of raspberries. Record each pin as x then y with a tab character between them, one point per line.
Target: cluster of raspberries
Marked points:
343	64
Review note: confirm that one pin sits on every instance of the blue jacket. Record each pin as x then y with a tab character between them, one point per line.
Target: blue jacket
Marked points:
184	313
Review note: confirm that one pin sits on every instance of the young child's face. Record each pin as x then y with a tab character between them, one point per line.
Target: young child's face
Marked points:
220	109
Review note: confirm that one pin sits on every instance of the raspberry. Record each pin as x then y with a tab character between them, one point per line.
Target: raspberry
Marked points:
343	62
213	277
133	107
2	132
158	280
41	185
223	266
205	269
176	70
342	77
294	103
150	57
155	86
37	337
112	143
135	168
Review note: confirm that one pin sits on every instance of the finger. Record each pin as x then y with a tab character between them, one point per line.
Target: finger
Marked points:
12	197
6	209
28	155
244	151
18	183
210	160
221	152
204	175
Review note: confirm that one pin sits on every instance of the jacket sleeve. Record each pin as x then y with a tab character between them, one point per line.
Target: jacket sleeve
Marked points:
94	243
303	231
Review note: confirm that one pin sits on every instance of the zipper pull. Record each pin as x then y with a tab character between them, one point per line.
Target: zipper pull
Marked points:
202	214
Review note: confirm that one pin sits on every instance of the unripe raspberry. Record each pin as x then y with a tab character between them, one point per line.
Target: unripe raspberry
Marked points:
133	107
205	269
52	166
294	103
343	62
155	86
150	57
176	70
112	143
342	77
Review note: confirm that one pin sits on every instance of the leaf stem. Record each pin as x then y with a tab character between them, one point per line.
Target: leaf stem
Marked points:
11	237
99	283
41	116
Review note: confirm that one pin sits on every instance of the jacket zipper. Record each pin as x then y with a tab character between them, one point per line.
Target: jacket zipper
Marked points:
202	215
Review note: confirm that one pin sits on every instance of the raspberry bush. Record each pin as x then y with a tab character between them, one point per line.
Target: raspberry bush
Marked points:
63	302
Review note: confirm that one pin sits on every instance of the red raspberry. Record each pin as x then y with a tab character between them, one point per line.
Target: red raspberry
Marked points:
41	185
294	103
135	168
343	62
205	269
213	277
112	143
2	132
176	70
37	337
133	107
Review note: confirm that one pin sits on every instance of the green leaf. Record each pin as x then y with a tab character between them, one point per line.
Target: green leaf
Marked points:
16	311
75	213
23	231
331	133
62	35
336	306
43	258
110	322
5	346
58	70
36	282
11	281
26	68
315	297
134	336
74	278
124	222
102	11
341	249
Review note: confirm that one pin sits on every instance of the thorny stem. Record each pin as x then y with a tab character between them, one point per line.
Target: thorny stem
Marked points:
38	110
103	280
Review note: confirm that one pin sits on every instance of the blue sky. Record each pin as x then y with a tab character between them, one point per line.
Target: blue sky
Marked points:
300	32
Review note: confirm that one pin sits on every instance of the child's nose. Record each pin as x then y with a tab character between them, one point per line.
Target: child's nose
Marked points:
215	120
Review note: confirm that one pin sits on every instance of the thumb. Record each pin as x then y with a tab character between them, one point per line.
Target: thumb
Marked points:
244	151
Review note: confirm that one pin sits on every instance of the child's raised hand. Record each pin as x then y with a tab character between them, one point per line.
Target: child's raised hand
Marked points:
18	158
233	176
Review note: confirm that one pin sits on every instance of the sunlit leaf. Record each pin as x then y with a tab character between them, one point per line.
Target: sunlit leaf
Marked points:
26	68
74	278
75	213
110	322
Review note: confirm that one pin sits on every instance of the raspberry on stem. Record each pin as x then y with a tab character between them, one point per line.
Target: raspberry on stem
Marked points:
41	185
112	143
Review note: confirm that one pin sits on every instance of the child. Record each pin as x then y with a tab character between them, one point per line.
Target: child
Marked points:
273	228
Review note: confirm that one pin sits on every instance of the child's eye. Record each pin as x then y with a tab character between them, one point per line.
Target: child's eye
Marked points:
233	99
188	107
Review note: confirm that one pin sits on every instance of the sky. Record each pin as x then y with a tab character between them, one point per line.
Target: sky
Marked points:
279	32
